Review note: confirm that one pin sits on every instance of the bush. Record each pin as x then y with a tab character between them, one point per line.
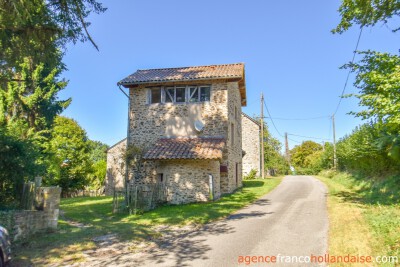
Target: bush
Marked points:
327	173
251	175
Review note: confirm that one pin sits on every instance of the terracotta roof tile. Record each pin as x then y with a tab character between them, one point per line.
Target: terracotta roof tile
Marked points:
186	148
225	71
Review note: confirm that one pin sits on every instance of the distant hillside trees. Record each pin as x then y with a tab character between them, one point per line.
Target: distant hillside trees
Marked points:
310	157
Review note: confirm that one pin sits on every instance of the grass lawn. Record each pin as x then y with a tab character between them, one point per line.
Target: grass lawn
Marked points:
364	217
96	219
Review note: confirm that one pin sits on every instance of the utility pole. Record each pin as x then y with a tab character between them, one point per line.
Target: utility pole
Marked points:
262	136
287	155
334	143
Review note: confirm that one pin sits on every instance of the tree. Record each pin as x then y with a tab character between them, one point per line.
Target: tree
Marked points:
17	165
70	164
378	82
360	152
273	159
366	13
300	153
33	102
377	74
98	150
38	29
98	158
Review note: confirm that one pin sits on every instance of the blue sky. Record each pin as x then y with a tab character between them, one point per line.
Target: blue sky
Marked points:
287	47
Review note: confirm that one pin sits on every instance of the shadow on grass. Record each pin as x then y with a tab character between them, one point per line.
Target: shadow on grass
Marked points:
68	242
251	183
86	218
373	192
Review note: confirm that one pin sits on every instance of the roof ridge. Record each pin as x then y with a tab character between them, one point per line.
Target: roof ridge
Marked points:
199	66
252	119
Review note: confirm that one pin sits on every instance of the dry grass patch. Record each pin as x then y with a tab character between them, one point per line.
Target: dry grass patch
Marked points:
364	218
348	231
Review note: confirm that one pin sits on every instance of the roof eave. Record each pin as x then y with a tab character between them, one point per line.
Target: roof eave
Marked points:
132	84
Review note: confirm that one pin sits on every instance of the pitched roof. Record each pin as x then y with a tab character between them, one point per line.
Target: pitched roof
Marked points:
226	71
251	119
186	148
185	74
116	144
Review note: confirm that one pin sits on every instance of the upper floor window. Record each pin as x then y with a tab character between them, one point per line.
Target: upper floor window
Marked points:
199	93
179	94
155	95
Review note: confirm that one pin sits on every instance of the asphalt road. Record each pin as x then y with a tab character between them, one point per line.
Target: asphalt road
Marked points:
290	221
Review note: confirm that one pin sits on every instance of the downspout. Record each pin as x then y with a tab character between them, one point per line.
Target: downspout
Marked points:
127	137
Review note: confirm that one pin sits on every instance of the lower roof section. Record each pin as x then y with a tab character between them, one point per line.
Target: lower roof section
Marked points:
186	148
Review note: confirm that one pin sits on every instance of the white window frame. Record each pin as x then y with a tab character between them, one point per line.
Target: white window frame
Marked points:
184	94
149	95
165	94
204	86
198	89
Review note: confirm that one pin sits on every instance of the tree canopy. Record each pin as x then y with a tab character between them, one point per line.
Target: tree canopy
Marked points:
40	29
366	13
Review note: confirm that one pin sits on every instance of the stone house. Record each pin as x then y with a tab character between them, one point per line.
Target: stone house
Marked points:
188	123
251	130
251	144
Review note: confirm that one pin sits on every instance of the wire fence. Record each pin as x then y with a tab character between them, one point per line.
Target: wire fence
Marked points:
83	193
139	198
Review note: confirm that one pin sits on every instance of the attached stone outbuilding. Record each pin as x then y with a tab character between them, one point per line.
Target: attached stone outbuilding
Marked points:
115	175
251	144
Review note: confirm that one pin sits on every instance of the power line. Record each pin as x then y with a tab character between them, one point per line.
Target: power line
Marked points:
272	120
294	140
310	137
301	119
348	74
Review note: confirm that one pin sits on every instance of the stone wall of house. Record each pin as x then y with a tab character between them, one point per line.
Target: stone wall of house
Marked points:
149	122
234	142
23	223
251	145
115	167
188	180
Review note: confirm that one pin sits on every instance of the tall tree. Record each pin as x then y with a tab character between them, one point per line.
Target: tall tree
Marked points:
366	13
98	158
33	102
70	165
38	29
377	74
301	155
273	159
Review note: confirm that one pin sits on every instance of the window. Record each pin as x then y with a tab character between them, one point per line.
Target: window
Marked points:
169	94
204	93
199	94
161	178
179	94
193	94
155	95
